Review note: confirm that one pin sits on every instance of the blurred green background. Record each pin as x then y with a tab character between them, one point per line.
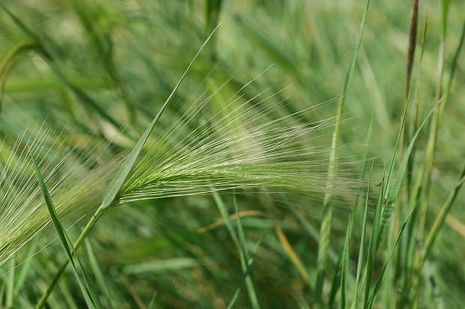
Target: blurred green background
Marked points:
102	70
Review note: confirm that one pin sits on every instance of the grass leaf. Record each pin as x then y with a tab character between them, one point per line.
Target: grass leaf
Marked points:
91	301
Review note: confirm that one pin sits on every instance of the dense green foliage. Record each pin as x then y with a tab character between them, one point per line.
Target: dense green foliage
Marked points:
300	154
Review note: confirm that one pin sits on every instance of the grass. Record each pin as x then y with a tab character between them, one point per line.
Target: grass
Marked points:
229	154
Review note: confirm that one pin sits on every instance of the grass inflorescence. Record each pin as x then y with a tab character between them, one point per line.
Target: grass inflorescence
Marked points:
229	154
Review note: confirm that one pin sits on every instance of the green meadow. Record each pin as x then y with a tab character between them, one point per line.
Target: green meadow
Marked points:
232	154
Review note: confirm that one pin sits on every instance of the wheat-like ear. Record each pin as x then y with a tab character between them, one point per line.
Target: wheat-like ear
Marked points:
23	215
223	146
235	145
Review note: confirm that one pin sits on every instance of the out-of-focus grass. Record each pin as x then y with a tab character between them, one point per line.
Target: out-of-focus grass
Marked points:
102	70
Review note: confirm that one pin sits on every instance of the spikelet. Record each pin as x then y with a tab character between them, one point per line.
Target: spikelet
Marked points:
235	145
23	214
208	146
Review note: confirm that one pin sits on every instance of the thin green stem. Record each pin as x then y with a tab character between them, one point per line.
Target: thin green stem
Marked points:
90	224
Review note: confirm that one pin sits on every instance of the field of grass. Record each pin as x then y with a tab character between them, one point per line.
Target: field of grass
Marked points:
232	154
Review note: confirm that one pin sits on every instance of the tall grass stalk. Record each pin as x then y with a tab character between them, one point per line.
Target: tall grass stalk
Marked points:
325	229
432	137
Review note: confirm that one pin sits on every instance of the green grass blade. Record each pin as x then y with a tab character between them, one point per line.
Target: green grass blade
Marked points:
383	211
336	281
361	252
123	172
325	229
152	301
440	219
392	193
372	247
2	294
445	4
240	232
236	294
454	64
111	194
241	246
430	240
339	282
99	276
377	285
90	301
345	262
101	41
234	299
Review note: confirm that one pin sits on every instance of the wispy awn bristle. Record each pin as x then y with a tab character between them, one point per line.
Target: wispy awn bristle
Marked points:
205	147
